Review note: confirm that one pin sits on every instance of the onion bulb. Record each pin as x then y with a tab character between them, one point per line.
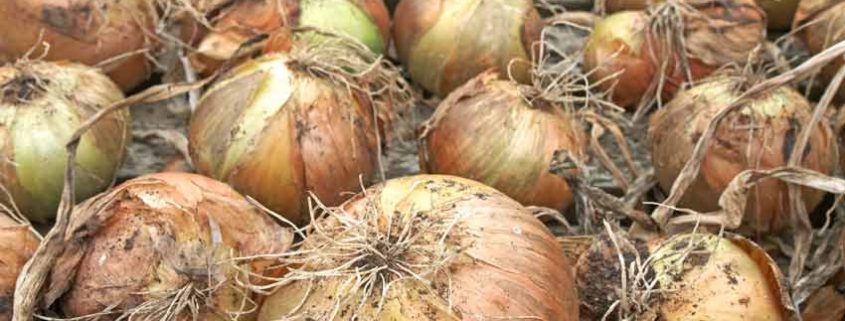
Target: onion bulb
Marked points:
163	247
367	21
820	24
779	13
446	43
114	32
426	247
638	55
41	106
760	135
276	131
17	244
698	276
508	144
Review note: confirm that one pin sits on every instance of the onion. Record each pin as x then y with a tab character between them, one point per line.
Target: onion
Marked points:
508	145
779	13
760	135
163	243
645	54
276	130
820	24
367	21
426	247
446	43
688	275
42	104
85	31
17	244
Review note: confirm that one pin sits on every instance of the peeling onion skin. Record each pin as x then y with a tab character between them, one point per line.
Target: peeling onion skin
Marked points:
507	264
42	104
275	133
778	117
157	234
819	25
367	21
508	144
17	244
445	43
84	31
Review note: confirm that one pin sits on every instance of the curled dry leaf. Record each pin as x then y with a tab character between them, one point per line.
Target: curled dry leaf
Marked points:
162	247
41	105
426	247
508	144
759	135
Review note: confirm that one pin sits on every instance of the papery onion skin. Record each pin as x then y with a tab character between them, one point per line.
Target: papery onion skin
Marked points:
17	244
367	21
820	24
42	104
156	234
276	133
508	144
446	43
507	265
779	13
776	118
84	31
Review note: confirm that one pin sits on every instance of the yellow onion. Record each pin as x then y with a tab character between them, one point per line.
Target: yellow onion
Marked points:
158	242
426	247
367	21
84	31
487	131
779	13
820	24
760	135
643	52
17	245
446	43
276	131
685	277
41	106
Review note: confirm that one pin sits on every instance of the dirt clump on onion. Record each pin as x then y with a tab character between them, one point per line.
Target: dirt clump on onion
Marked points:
425	247
509	142
41	104
645	59
820	24
311	120
446	43
701	275
163	247
760	135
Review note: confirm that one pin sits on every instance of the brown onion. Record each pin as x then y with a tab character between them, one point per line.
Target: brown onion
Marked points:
367	21
85	31
760	135
17	244
699	276
779	13
645	56
426	247
41	105
275	131
819	25
487	131
446	43
159	241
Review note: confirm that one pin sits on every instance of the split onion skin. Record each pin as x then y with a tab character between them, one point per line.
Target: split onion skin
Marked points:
508	144
821	24
367	21
157	234
445	43
703	276
507	264
276	133
42	104
17	244
778	118
84	31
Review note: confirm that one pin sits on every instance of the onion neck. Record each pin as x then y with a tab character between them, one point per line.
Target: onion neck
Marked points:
23	89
